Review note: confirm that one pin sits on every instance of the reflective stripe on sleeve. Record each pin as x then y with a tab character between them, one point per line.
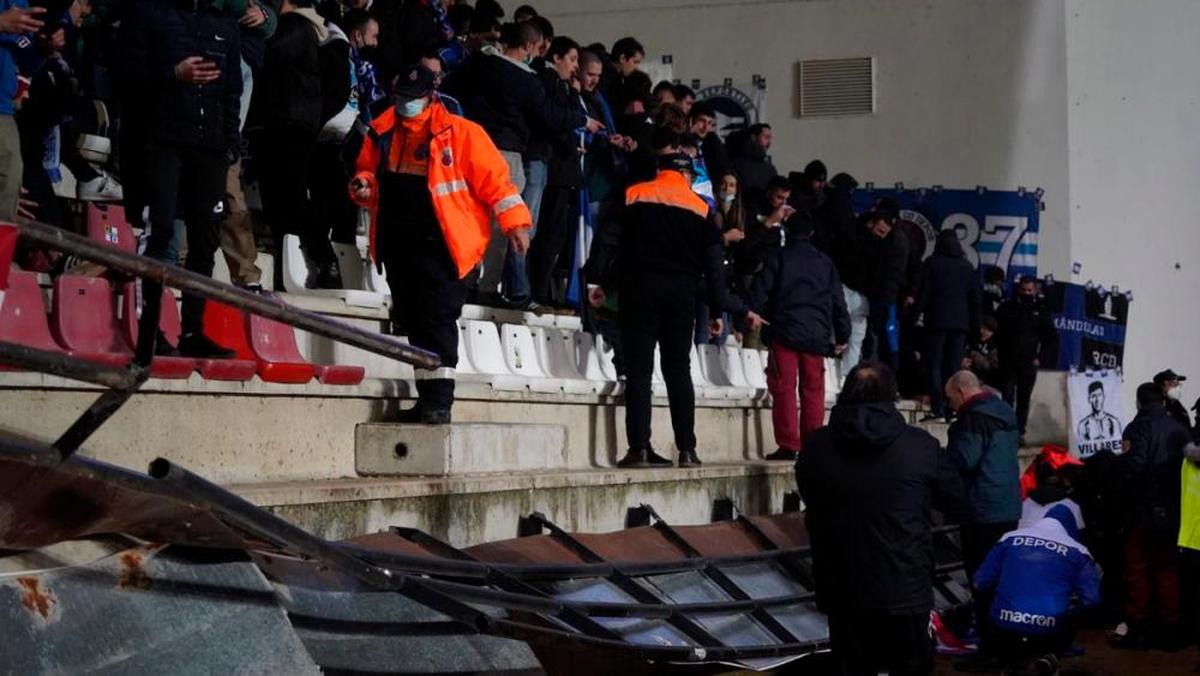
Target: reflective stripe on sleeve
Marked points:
448	187
506	204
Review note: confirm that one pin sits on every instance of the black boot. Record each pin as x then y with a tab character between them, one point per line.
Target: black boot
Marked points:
689	459
328	276
163	347
198	346
643	457
783	454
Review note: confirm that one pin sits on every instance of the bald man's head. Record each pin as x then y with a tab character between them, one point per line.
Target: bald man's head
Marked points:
961	387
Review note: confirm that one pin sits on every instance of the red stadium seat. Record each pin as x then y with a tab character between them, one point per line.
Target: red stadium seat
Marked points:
106	223
83	319
227	327
340	374
23	314
279	359
160	367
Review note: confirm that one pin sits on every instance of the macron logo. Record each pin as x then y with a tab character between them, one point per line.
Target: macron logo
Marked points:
1017	617
1025	541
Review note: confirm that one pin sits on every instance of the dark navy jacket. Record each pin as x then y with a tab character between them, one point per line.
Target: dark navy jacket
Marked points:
948	295
1036	572
985	441
798	291
156	35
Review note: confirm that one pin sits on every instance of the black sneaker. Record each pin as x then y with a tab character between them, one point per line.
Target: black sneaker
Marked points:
325	277
643	457
254	287
783	454
198	346
1046	665
689	459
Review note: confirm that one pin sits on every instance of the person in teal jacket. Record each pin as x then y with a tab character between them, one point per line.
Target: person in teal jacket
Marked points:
984	441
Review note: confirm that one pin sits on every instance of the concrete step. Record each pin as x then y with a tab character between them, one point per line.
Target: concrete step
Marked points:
467	510
390	449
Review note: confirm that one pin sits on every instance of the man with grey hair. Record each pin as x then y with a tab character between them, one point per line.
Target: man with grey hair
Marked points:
984	441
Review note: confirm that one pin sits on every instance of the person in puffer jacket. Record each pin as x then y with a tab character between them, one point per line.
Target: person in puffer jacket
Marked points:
1042	578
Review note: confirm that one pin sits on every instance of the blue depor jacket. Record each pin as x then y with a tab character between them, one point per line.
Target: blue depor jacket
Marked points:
984	441
1035	572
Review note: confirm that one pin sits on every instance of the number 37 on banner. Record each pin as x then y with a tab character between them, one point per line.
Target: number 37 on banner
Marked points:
995	244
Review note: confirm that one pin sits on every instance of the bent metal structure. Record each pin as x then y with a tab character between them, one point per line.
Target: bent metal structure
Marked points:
116	571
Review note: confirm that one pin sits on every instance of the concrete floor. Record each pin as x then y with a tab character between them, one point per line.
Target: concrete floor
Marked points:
1099	659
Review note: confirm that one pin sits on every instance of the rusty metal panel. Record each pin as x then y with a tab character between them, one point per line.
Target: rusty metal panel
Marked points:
145	610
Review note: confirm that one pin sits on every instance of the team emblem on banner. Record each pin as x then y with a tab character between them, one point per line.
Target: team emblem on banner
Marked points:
1097	414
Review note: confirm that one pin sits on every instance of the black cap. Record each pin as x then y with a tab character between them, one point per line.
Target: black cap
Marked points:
676	162
886	209
414	82
816	171
1163	376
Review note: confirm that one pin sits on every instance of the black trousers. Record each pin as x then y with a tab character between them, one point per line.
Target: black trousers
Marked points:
1189	583
427	299
553	230
876	345
1016	386
865	644
285	158
333	211
944	351
190	182
661	310
1017	649
977	540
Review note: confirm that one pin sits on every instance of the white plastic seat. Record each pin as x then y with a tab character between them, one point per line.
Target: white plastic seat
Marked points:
521	356
832	381
557	357
754	369
295	274
658	386
590	361
606	355
480	350
731	362
704	389
711	358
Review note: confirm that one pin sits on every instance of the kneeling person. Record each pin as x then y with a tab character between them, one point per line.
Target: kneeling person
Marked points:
432	181
1042	578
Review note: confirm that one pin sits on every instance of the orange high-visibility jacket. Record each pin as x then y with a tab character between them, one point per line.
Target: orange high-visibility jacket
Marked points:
468	181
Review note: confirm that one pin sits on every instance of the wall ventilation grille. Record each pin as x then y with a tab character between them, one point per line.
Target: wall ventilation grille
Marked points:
835	87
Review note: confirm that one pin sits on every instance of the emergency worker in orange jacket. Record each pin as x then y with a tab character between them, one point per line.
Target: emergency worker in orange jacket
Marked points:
432	181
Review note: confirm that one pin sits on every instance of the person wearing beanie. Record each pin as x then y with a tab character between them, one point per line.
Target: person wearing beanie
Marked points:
654	253
1035	573
799	294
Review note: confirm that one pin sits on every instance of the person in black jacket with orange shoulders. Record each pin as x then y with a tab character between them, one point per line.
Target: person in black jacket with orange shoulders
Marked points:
870	483
948	298
184	61
655	253
799	295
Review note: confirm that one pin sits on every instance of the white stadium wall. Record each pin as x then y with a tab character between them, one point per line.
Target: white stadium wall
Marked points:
1135	170
969	92
1093	100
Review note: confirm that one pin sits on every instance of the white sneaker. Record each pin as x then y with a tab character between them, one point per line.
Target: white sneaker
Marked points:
103	188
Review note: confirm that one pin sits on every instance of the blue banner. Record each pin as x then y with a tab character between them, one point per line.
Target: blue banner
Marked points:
1090	326
996	227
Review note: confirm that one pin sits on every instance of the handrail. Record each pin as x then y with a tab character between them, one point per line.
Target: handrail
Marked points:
58	239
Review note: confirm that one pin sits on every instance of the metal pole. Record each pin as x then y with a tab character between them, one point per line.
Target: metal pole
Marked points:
66	366
190	282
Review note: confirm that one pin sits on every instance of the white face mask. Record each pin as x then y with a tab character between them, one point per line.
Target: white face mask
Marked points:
410	107
727	197
1175	393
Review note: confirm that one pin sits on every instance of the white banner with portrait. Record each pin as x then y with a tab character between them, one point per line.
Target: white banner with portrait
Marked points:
1097	411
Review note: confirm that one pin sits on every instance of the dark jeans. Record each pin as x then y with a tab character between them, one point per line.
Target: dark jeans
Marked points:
427	299
1189	582
1017	649
332	207
1016	385
659	311
876	346
285	162
944	353
553	231
977	540
865	644
190	182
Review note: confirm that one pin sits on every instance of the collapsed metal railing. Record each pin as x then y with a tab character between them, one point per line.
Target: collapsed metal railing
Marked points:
451	582
123	383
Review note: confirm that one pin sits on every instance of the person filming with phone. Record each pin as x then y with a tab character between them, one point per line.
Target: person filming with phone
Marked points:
183	59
